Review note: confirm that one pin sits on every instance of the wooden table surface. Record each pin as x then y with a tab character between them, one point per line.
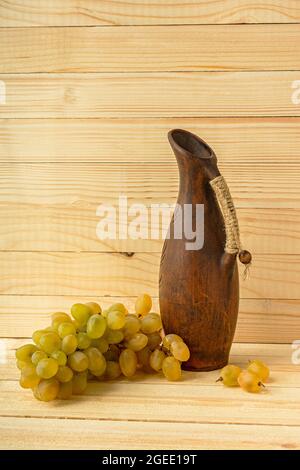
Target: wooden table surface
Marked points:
151	413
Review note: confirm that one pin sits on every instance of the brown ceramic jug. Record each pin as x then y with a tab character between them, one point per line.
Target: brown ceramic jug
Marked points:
199	289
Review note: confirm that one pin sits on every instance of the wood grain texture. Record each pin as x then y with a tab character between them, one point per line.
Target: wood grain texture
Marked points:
88	186
60	273
160	95
259	321
105	401
99	128
57	227
141	435
151	12
150	48
144	140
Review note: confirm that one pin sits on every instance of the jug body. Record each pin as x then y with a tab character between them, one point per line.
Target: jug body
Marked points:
199	288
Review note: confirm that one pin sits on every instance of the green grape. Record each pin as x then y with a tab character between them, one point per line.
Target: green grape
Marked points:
249	382
143	304
101	344
180	351
118	306
28	370
112	370
60	357
128	362
29	378
65	329
84	341
64	374
94	307
47	390
49	329
97	362
151	323
81	313
137	342
50	342
29	381
143	357
132	325
171	368
113	353
65	390
154	340
58	318
96	326
69	344
79	328
21	364
115	319
36	336
114	336
24	353
38	356
168	340
79	383
47	368
260	369
156	359
229	375
78	361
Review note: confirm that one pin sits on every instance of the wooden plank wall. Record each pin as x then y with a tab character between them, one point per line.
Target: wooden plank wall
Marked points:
92	87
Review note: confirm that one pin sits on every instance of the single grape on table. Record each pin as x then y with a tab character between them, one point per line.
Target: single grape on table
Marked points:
249	382
260	369
229	375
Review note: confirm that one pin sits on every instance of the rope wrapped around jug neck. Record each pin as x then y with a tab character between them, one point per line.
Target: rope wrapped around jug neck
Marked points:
233	243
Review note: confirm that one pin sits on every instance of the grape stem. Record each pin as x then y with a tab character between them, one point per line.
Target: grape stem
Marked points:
220	379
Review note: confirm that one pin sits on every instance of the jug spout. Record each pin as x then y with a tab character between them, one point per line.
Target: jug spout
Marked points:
190	150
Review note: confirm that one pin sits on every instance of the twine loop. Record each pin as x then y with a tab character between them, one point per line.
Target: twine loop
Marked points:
233	243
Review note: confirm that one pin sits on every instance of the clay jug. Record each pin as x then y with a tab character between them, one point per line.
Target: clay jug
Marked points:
199	289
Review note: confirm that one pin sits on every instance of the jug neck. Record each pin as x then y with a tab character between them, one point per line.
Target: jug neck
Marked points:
197	164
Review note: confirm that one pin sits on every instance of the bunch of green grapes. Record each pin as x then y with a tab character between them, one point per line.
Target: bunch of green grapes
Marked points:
91	344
